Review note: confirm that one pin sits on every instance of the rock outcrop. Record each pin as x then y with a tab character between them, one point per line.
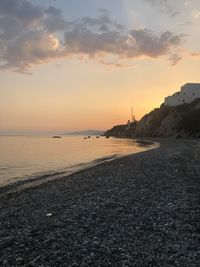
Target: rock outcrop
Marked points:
181	122
122	130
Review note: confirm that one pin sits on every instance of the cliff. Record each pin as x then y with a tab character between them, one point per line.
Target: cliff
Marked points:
122	130
181	122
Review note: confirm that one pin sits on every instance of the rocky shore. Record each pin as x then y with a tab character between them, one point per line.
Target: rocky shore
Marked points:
140	210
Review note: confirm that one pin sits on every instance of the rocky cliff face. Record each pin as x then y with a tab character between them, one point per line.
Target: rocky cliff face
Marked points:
122	131
181	122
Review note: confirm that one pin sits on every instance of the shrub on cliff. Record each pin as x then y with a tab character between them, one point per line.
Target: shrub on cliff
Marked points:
190	122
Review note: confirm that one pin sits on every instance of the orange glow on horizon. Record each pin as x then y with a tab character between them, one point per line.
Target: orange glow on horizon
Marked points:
54	99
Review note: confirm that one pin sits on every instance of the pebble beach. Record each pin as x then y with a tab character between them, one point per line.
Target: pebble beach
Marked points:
140	210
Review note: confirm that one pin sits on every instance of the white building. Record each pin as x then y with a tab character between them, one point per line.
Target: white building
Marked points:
189	92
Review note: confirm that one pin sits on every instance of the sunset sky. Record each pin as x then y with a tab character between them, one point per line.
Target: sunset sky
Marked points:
81	64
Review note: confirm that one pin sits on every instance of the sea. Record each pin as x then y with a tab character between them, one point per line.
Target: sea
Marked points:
28	160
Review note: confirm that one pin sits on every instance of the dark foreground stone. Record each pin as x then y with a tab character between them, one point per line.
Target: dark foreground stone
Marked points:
142	210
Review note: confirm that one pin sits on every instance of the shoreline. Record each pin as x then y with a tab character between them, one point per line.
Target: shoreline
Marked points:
37	179
138	210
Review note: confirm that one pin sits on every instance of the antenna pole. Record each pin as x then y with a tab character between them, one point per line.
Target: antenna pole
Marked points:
131	114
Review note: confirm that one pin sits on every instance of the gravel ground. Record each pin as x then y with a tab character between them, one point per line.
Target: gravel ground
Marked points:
141	210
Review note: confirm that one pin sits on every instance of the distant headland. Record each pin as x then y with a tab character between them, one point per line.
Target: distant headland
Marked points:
86	132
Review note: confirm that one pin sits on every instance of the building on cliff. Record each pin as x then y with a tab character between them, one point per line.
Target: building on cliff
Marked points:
189	92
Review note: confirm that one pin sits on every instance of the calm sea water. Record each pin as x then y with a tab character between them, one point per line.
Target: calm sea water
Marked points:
25	158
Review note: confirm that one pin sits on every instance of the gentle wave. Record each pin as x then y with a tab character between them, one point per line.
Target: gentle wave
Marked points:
42	177
26	162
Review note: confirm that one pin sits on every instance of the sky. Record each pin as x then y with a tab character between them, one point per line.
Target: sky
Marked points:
73	65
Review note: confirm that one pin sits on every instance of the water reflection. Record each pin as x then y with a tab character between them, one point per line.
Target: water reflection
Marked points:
23	156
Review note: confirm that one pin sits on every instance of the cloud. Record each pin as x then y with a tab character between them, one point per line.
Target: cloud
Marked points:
28	34
196	14
195	54
152	45
174	59
31	48
164	6
53	20
136	43
114	64
32	35
20	9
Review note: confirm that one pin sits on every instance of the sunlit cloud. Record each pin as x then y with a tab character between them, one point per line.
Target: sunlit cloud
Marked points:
196	14
195	54
32	35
